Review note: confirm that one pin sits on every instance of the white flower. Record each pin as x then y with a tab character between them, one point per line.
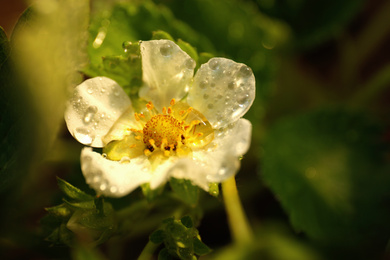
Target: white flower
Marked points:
191	127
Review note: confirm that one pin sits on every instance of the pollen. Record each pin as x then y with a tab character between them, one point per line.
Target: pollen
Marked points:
163	129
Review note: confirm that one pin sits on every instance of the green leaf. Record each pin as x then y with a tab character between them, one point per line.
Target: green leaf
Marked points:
187	221
185	190
157	237
161	35
89	204
60	210
200	248
204	57
126	69
164	255
214	189
134	21
190	50
73	192
327	170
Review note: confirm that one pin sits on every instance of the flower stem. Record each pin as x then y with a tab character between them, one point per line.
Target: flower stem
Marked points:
148	251
238	221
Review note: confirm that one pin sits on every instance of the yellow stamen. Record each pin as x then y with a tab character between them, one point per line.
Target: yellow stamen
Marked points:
149	105
136	116
173	101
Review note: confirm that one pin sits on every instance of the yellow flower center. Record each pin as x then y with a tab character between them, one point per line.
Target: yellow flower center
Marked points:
177	131
163	130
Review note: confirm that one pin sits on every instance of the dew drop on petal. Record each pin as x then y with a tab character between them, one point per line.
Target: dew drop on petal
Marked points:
89	114
232	85
125	160
103	185
223	170
214	65
90	90
166	50
243	99
210	106
190	64
205	96
113	189
96	179
245	71
104	155
203	84
84	135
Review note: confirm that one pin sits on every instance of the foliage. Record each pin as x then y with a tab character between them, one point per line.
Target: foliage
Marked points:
314	184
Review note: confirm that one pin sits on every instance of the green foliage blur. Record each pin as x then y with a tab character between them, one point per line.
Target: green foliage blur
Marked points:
315	183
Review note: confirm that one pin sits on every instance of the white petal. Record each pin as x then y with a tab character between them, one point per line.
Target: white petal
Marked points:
221	160
94	107
113	178
223	91
191	170
122	126
160	174
166	71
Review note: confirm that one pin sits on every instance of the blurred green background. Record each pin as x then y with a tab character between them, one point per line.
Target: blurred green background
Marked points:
315	183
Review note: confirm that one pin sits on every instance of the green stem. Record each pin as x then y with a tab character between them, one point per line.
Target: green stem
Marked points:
148	251
372	89
238	222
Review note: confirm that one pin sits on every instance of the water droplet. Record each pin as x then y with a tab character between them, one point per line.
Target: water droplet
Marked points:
190	64
242	99
113	189
203	84
166	50
205	96
103	186
89	114
104	155
96	179
231	85
116	92
219	96
125	160
90	90
84	135
245	71
126	45
223	169
214	64
210	106
103	89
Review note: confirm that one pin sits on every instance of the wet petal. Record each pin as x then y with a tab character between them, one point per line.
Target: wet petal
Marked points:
122	127
94	107
223	91
113	178
189	169
167	72
221	159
